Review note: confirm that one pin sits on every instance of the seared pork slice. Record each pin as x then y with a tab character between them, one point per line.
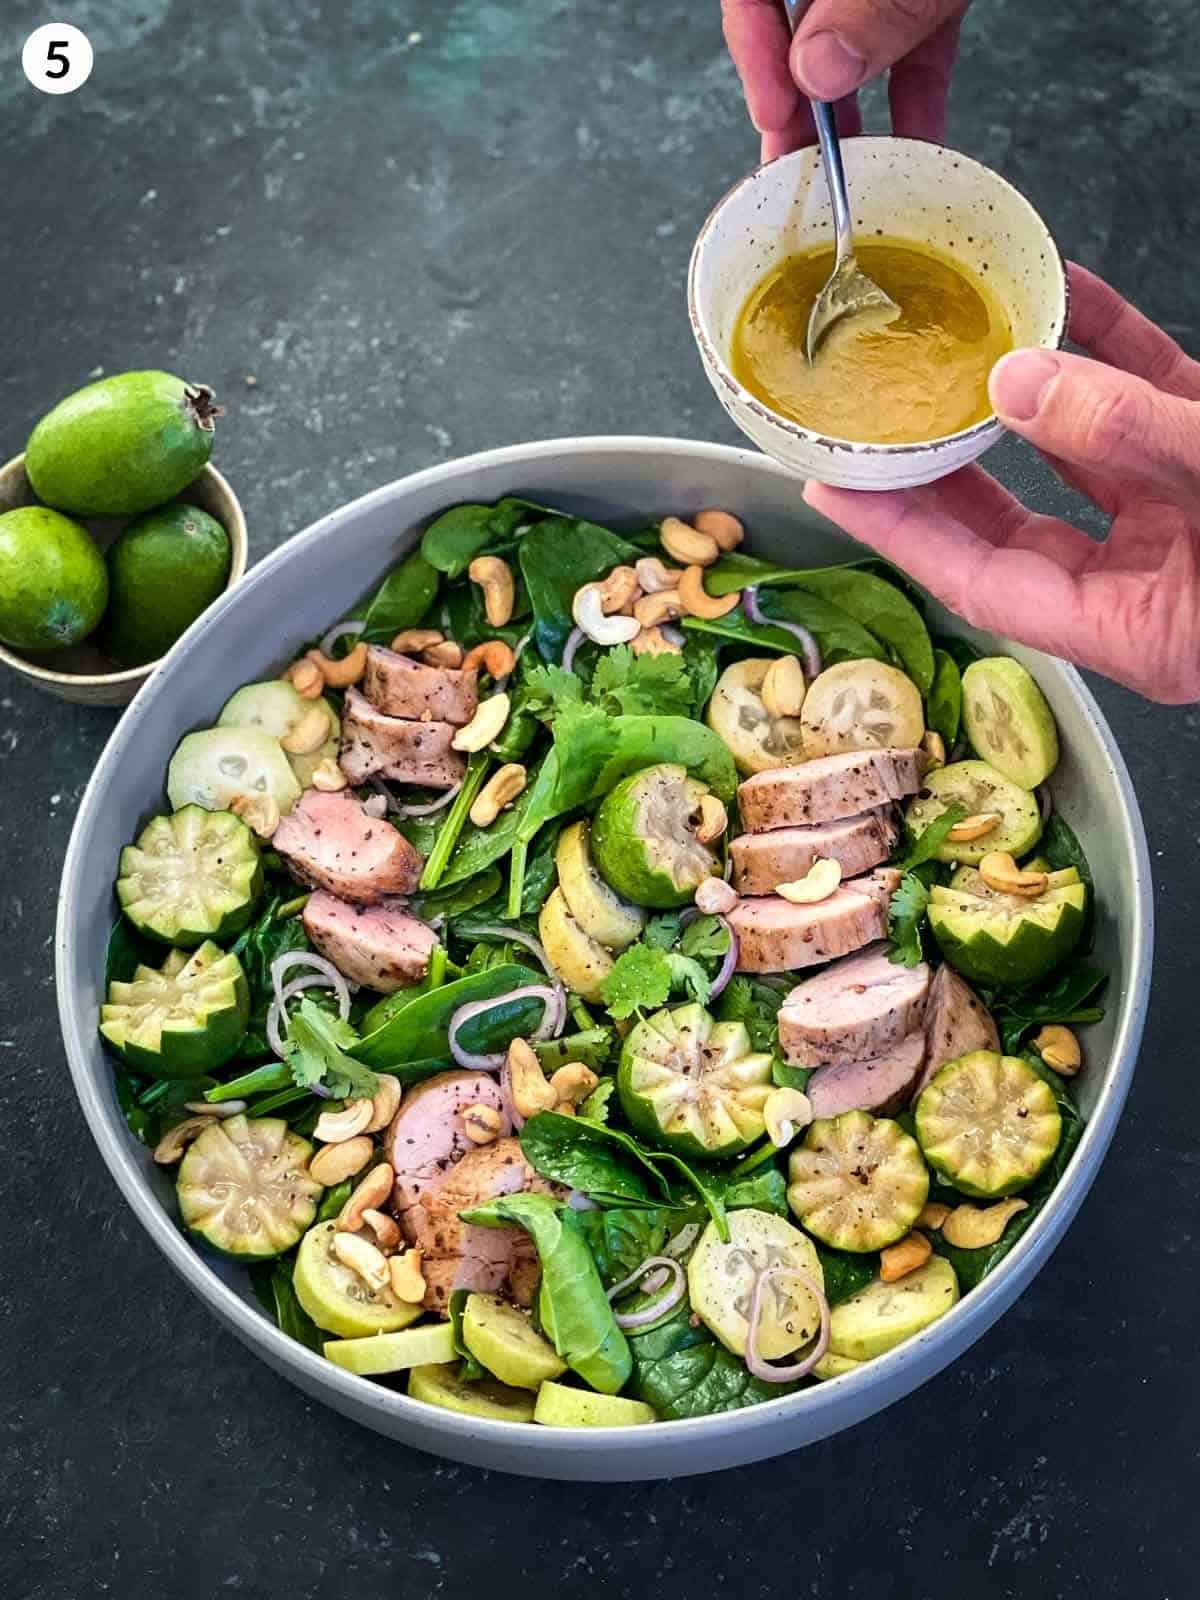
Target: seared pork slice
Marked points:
382	947
882	1085
402	687
956	1021
427	1136
762	861
375	745
459	1255
330	842
776	936
860	1006
829	788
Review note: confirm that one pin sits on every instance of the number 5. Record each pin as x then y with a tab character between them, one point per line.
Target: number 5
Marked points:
56	52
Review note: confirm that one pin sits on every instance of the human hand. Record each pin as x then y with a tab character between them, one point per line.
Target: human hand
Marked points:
1124	429
838	46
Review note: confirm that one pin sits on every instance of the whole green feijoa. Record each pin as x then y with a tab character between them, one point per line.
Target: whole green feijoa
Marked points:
122	445
53	584
163	571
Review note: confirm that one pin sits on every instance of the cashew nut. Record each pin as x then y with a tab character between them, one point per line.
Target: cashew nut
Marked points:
713	819
696	600
501	789
494	656
818	883
933	1214
662	606
654	642
903	1257
1059	1049
934	747
684	543
386	1229
445	654
328	777
1000	872
573	1083
715	897
305	677
482	1123
406	1279
175	1141
783	687
309	734
495	578
363	1259
333	1127
654	577
490	716
385	1102
587	608
260	812
341	674
334	1163
619	590
722	526
973	1227
413	640
371	1193
975	827
785	1112
216	1108
530	1091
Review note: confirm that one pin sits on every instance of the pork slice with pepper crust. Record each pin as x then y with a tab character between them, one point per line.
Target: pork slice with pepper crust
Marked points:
858	1007
829	788
762	861
401	687
383	947
330	842
407	751
776	936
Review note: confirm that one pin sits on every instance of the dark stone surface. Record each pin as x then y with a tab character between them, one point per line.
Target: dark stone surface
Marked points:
425	229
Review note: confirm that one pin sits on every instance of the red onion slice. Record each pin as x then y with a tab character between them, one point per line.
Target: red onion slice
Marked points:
553	1017
340	630
1045	802
307	958
812	650
400	808
729	964
757	1364
574	639
657	1308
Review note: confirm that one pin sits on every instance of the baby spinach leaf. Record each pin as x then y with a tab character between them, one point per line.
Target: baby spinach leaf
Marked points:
478	848
789	1077
457	899
682	1371
557	557
401	600
844	1274
452	541
333	1200
418	1031
1062	849
701	655
272	1284
1067	997
943	704
470	1371
126	951
838	634
620	1239
598	1161
764	1188
752	635
960	652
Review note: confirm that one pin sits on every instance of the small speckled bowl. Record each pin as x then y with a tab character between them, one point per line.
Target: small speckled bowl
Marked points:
83	673
901	187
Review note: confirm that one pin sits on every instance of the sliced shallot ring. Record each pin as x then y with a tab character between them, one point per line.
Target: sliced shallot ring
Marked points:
812	650
574	639
657	1308
308	958
340	630
758	1365
505	935
553	1016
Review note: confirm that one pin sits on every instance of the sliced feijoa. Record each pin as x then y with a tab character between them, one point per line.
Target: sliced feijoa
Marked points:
988	1123
736	713
693	1085
212	767
337	1299
995	938
644	837
598	910
503	1339
579	960
559	1406
978	788
192	876
861	705
882	1315
392	1352
1008	721
441	1384
276	708
245	1188
182	1019
722	1275
834	1366
857	1182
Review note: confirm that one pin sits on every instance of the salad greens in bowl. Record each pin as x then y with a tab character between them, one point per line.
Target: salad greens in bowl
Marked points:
603	980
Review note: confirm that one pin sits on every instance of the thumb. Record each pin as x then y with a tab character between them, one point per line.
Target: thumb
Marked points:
1098	416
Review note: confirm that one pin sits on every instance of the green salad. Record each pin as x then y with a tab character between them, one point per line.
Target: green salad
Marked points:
609	978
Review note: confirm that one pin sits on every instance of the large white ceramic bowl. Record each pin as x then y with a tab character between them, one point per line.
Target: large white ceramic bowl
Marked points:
297	592
903	187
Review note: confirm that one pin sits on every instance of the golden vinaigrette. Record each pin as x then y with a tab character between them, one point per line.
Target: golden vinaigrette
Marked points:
920	377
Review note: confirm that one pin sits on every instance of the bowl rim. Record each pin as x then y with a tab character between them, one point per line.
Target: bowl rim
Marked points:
719	368
238	553
309	1369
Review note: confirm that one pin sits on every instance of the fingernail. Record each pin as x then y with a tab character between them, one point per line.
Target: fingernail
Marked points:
1019	381
826	67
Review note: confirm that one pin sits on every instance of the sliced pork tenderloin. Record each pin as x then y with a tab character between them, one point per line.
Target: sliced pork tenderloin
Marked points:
401	687
427	1136
861	1006
383	947
776	936
376	745
330	842
829	788
956	1021
762	861
881	1085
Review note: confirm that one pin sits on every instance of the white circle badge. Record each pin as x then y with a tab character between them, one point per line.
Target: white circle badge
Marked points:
57	58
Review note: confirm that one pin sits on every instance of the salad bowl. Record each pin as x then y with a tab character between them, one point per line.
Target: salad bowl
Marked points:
319	575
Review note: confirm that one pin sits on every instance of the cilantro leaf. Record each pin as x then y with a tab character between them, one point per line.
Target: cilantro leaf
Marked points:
755	1004
927	844
643	685
639	981
595	1107
689	976
546	690
662	931
706	938
905	916
316	1053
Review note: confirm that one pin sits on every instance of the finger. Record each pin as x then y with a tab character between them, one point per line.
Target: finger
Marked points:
1115	332
758	37
919	85
841	43
801	130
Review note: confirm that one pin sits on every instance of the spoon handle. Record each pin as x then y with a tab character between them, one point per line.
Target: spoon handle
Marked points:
835	177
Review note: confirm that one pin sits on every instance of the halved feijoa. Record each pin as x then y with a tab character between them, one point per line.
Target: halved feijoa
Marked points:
988	1123
182	1020
503	1339
861	705
337	1299
442	1384
559	1406
996	938
598	910
857	1182
244	1187
978	788
722	1275
192	876
644	837
1008	721
882	1315
212	767
694	1085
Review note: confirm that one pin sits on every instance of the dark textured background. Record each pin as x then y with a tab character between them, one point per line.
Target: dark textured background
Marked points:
426	229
